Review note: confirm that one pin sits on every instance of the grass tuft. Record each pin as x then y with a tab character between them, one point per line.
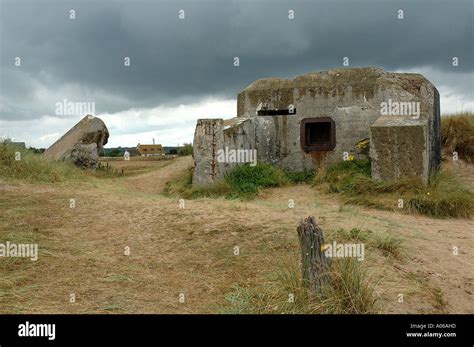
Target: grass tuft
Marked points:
389	245
444	196
350	291
457	134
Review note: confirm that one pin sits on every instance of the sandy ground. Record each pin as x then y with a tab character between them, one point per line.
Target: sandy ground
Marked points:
83	251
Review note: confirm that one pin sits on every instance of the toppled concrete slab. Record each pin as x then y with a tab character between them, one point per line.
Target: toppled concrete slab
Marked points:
82	144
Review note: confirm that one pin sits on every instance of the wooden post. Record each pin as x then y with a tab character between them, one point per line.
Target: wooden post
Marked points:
314	264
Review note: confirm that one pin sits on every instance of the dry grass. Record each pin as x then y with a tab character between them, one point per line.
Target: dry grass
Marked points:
136	165
22	164
350	291
388	244
444	196
191	250
457	135
181	187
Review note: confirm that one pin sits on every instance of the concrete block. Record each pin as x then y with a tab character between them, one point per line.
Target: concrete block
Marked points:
399	148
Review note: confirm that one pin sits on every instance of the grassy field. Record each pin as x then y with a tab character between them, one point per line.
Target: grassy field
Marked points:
128	246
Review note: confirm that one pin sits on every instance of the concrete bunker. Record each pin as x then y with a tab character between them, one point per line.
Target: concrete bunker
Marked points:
316	119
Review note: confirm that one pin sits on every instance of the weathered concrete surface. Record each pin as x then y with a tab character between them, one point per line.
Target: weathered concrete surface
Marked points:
278	137
82	144
214	135
351	97
208	138
399	148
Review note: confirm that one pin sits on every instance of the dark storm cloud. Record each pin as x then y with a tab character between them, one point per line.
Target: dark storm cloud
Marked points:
176	60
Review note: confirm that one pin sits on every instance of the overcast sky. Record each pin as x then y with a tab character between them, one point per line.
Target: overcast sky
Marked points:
183	69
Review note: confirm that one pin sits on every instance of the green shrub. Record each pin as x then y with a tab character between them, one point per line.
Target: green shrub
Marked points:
246	180
304	176
113	152
187	149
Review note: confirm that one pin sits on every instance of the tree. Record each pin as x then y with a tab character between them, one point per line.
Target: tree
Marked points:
187	149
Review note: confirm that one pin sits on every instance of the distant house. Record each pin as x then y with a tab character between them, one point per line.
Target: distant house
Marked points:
149	150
